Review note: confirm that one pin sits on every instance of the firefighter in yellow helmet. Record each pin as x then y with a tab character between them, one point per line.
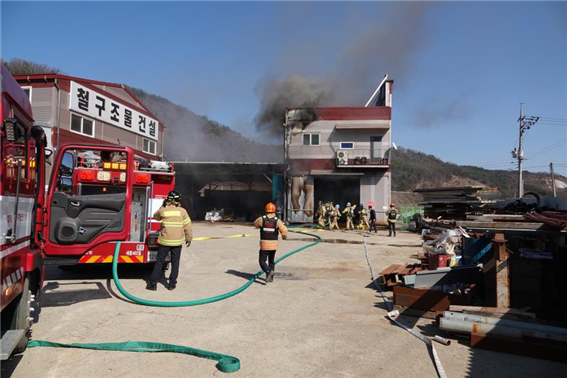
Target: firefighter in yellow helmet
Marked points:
335	216
175	230
392	216
349	211
270	228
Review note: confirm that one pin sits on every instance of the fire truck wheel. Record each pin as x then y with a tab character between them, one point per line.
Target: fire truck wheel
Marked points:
21	316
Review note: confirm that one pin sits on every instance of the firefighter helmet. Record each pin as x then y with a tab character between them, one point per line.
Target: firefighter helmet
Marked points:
270	208
392	204
174	196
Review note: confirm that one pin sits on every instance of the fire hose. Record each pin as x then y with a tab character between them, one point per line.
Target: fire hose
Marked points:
226	363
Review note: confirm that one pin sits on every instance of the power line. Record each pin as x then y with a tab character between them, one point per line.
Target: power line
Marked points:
552	118
547	149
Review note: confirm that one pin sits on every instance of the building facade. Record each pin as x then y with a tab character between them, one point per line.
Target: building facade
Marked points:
77	110
339	154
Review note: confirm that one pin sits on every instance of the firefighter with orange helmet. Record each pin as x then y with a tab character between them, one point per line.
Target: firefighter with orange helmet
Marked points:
392	216
174	232
270	228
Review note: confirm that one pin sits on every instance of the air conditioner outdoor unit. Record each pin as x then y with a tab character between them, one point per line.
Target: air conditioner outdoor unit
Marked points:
342	158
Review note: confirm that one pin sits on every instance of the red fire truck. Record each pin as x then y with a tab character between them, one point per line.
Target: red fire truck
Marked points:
99	195
22	199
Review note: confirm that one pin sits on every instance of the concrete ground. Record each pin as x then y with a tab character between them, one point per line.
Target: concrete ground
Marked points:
321	317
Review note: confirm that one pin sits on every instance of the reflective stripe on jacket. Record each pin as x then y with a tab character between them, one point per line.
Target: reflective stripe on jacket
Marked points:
392	215
175	226
267	243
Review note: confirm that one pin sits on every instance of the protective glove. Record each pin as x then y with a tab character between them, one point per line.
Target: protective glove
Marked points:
188	243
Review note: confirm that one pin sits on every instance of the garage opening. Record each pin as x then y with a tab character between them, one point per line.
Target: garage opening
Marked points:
234	192
338	189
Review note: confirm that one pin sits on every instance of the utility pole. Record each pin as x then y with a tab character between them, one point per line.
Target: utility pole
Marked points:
553	180
526	122
520	154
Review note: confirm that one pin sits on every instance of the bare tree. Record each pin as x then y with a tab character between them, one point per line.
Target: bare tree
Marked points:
18	66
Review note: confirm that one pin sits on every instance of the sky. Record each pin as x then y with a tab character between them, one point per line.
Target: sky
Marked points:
460	69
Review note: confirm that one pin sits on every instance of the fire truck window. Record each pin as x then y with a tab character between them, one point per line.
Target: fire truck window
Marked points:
67	166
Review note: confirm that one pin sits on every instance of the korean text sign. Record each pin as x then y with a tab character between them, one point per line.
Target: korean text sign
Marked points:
98	106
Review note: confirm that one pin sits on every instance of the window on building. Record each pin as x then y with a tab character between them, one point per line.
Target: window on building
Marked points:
82	125
28	92
347	145
149	146
311	139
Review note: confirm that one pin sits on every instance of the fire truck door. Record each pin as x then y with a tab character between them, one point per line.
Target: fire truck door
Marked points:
78	216
79	219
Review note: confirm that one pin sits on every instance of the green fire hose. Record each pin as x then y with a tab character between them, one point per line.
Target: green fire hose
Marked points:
197	302
226	364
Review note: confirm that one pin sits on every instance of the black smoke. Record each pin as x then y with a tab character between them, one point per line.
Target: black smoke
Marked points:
391	46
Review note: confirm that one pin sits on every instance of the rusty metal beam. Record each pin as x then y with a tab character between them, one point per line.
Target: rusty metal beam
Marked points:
502	270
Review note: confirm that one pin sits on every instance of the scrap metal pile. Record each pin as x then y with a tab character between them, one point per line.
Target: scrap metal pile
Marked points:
457	202
497	278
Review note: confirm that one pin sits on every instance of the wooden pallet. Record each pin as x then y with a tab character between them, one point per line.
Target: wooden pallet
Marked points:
424	260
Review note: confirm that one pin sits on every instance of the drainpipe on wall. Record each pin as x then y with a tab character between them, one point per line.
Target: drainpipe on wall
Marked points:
162	143
285	172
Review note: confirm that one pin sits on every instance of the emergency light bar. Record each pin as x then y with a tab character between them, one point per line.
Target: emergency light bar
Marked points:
120	166
101	176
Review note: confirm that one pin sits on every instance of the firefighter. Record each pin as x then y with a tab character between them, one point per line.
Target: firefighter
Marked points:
328	213
270	228
175	230
321	215
392	215
363	222
349	211
335	218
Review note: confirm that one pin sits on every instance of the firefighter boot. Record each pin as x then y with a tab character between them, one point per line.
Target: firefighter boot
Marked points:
151	287
270	276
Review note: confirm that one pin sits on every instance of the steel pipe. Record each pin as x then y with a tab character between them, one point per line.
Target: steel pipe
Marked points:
461	326
441	340
504	322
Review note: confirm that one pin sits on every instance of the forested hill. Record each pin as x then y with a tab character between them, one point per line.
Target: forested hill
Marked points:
413	169
194	137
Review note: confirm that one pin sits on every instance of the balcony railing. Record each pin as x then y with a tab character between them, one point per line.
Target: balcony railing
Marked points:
349	158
